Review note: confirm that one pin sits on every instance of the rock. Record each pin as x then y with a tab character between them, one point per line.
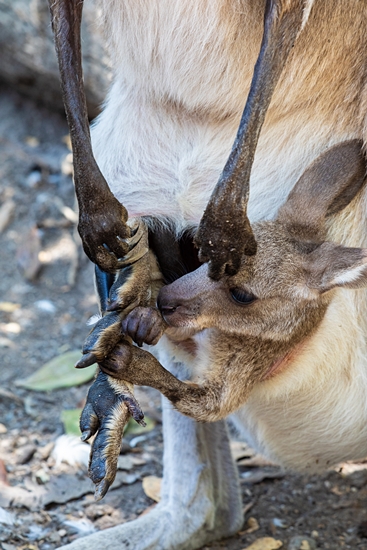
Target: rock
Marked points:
280	523
80	527
45	306
94	511
6	518
265	543
28	59
301	543
42	477
24	454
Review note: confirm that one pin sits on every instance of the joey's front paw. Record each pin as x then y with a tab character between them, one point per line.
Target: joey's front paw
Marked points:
110	404
145	325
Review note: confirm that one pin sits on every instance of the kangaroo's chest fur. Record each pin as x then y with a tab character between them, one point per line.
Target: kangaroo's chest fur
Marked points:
182	73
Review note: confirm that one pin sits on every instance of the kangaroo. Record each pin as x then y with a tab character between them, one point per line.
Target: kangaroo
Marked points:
173	119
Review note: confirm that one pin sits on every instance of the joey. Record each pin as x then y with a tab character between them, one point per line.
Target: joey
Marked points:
272	306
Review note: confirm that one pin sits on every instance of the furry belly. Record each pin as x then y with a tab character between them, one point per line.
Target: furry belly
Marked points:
169	170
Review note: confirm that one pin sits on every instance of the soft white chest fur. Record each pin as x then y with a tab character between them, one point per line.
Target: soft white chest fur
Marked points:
183	70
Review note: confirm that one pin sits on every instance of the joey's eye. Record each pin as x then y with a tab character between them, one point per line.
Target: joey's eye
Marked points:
241	296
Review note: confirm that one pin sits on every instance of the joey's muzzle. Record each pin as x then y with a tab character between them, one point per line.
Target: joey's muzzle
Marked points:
183	301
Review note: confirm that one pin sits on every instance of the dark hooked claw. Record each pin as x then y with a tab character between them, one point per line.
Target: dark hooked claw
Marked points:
132	284
110	404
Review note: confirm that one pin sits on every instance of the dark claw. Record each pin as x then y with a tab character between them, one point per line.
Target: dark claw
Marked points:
113	306
101	490
86	435
87	360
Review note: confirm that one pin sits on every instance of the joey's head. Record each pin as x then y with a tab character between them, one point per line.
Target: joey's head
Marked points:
282	292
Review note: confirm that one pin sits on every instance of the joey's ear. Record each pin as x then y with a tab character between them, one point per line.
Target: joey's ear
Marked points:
326	187
331	265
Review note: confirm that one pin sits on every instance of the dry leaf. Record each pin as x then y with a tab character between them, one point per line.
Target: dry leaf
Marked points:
9	307
6	343
32	141
152	487
252	525
3	473
5	394
70	419
28	254
6	214
58	373
265	543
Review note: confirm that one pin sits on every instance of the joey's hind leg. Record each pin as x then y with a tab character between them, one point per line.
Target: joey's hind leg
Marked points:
200	493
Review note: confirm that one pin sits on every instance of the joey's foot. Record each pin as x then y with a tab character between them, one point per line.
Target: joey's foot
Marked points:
110	404
145	325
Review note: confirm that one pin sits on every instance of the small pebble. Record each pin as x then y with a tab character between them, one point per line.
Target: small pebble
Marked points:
34	179
277	522
301	543
24	454
3	429
42	477
45	305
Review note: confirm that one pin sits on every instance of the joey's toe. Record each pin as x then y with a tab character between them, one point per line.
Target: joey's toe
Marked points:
144	325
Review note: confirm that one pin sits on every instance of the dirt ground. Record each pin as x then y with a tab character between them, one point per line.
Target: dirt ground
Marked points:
46	297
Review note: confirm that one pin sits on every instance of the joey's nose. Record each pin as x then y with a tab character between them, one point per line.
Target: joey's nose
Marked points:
164	306
167	310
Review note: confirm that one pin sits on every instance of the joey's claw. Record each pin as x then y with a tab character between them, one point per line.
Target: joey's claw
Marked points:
86	361
110	404
145	325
